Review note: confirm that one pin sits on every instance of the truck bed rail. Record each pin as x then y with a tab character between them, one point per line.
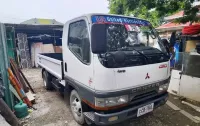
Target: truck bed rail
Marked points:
52	65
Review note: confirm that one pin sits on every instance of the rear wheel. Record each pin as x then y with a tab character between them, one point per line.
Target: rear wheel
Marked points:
76	107
47	80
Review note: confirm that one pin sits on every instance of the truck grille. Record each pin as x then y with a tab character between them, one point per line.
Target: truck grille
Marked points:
141	96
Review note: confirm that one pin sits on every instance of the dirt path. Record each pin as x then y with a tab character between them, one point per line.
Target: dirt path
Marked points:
51	108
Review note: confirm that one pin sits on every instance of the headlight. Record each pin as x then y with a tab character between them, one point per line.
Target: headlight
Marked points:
112	101
163	87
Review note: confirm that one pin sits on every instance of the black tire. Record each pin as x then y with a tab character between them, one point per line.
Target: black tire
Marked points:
47	80
80	119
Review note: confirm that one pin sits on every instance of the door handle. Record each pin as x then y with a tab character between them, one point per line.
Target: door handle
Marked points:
65	67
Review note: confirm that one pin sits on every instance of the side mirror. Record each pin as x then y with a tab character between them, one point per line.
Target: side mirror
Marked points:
198	48
98	38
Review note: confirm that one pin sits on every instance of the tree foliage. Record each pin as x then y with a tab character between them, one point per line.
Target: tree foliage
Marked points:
155	10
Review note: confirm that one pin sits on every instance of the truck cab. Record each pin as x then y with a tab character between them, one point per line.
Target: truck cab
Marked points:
113	67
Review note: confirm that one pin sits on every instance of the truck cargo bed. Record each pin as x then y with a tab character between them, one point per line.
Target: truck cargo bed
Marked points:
52	62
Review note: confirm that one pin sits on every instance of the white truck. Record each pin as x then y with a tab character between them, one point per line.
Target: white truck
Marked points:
112	67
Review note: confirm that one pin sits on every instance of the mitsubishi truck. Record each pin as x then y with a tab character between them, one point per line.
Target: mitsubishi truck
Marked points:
112	68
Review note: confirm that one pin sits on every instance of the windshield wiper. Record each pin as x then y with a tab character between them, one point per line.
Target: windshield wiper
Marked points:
132	48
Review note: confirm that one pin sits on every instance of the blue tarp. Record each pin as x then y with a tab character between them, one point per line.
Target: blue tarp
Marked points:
176	48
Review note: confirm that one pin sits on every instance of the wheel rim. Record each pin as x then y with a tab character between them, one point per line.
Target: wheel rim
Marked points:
76	107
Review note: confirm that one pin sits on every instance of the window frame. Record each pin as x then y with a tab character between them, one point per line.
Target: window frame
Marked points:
78	57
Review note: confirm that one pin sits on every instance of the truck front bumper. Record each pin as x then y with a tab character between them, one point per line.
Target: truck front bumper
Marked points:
107	119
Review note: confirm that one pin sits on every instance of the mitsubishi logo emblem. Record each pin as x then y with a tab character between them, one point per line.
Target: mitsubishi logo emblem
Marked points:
147	76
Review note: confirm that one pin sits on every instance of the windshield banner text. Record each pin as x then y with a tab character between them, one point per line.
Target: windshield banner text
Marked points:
118	20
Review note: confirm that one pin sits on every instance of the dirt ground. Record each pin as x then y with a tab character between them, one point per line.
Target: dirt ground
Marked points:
50	105
52	110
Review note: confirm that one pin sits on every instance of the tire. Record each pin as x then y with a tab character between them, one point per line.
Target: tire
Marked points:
76	107
47	80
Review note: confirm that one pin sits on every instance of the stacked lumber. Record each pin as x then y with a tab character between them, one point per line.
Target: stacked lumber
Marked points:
20	84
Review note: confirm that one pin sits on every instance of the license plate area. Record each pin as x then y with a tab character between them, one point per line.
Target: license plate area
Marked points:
145	109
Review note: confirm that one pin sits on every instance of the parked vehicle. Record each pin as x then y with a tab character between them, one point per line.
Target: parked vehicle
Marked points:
185	75
113	68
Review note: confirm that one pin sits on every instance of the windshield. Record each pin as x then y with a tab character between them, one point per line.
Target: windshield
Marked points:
130	42
126	33
122	37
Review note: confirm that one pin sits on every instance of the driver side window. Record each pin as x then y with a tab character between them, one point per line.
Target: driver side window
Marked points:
78	41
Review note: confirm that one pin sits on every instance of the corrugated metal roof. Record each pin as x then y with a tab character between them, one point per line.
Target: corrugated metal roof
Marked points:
175	16
40	21
173	26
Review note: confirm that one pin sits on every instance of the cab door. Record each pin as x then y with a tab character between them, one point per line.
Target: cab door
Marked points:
77	54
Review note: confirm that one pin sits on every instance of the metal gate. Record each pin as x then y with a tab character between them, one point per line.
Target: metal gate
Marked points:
4	64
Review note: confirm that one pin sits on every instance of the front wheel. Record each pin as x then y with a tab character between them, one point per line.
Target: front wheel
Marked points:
76	107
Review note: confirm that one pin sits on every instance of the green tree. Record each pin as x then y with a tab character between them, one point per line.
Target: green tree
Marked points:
155	10
117	6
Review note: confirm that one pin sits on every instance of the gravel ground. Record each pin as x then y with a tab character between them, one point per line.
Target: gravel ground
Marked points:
3	121
52	110
177	101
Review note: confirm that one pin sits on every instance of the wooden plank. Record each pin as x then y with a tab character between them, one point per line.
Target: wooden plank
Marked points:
48	48
58	49
14	92
26	80
30	96
17	74
22	77
19	90
37	49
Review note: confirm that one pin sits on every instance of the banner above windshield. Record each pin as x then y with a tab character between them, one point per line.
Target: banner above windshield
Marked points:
107	19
